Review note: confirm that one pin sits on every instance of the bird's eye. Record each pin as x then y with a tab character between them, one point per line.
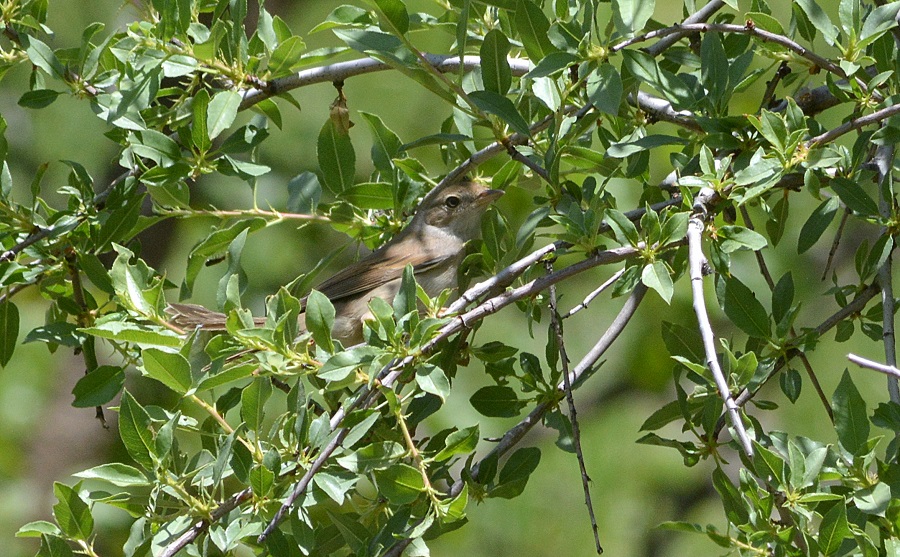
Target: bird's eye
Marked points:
452	201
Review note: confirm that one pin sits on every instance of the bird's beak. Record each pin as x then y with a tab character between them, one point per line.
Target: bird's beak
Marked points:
488	196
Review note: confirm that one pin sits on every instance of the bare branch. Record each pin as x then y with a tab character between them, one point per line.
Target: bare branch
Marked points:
854	124
748	29
696	261
700	16
344	70
203	525
889	370
662	109
884	161
590	297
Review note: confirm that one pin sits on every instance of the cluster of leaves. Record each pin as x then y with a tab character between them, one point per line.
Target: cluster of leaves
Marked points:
260	407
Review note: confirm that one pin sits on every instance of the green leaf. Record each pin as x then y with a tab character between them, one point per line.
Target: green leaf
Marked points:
98	387
744	310
320	319
515	473
117	474
370	195
873	500
714	68
141	335
683	341
135	432
395	13
338	368
850	419
495	72
498	105
72	514
853	196
9	330
400	483
551	64
261	480
630	16
833	529
169	368
385	143
337	159
42	56
818	221
463	441
36	528
222	111
39	98
625	149
285	56
253	403
791	384
819	19
435	139
782	297
199	130
737	237
54	546
625	231
656	276
376	456
879	21
226	376
533	27
431	379
604	89
496	401
304	193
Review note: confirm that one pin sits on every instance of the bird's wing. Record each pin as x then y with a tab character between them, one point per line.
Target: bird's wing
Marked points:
365	275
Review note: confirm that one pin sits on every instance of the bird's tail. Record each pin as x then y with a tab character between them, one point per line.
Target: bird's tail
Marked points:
191	316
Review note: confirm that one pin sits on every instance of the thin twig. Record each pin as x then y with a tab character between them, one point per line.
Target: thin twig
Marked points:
889	370
570	401
836	242
590	297
816	385
696	261
854	124
748	29
783	70
248	213
884	161
700	16
535	167
34	237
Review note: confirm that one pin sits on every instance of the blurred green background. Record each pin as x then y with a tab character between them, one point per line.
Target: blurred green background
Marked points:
43	439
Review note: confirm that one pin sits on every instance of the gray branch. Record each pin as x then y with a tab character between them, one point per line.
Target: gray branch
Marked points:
696	262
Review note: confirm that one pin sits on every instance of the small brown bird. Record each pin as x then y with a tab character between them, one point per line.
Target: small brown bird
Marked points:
433	243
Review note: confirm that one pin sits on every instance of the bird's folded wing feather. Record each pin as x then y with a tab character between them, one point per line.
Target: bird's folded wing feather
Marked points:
363	276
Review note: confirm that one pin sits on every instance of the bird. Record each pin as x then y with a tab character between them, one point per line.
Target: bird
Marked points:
433	244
